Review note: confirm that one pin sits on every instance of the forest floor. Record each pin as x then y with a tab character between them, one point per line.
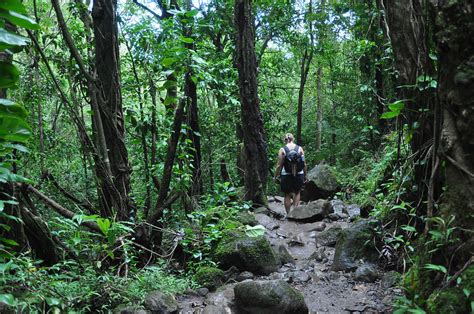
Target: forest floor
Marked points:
324	290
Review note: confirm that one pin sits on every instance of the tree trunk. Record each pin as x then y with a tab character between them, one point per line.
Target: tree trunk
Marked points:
456	95
319	109
255	146
107	64
305	63
407	32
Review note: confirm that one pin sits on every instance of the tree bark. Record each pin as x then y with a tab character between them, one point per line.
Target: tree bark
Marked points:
255	146
456	95
305	63
408	34
319	109
115	196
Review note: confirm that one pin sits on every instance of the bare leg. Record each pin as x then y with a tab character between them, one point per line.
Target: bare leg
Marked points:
296	200
287	202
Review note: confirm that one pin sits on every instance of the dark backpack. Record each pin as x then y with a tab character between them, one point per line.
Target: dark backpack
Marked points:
293	162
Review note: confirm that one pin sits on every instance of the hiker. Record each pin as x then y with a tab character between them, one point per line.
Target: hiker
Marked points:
291	171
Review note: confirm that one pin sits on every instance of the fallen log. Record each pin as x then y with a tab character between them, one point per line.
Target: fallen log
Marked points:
58	208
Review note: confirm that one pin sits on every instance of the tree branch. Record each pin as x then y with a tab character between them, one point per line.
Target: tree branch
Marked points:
70	43
58	208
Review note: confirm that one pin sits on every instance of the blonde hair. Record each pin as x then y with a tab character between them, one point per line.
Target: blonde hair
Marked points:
289	137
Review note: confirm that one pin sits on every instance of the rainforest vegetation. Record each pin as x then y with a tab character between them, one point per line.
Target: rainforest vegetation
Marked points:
136	135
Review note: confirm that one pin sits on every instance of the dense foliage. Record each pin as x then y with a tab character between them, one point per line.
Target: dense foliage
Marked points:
110	189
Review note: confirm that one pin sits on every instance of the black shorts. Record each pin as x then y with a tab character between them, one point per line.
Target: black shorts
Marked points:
290	184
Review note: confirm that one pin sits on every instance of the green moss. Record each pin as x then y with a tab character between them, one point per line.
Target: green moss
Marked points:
447	301
209	277
246	218
246	253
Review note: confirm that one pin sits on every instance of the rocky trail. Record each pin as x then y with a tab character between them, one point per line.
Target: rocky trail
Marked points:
344	282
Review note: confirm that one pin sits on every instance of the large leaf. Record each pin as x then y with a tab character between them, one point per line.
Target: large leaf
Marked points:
19	19
13	5
8	107
14	129
396	106
9	75
390	114
255	231
9	40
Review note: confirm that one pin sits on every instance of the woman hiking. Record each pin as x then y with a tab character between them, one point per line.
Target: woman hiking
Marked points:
291	171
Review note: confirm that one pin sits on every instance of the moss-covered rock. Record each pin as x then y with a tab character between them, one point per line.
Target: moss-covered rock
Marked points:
246	218
354	245
448	301
209	277
253	254
269	296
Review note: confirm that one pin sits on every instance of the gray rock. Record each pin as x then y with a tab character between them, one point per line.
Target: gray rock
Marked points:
124	309
297	240
284	255
319	255
338	206
253	254
260	210
329	236
266	221
390	279
367	273
352	210
354	245
299	276
334	217
244	276
315	226
223	297
214	309
322	184
202	291
313	211
161	303
269	297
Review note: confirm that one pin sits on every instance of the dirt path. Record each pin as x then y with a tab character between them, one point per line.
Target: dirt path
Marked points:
325	291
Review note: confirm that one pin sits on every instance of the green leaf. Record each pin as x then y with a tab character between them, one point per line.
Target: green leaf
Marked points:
187	40
52	301
14	129
9	40
8	299
409	228
397	106
9	241
439	268
255	231
104	225
166	62
13	5
192	13
9	75
8	107
390	114
19	19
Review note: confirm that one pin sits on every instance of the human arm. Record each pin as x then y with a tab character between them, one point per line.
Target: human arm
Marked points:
305	169
281	157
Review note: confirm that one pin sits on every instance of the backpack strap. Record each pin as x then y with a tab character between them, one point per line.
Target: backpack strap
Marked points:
286	149
297	149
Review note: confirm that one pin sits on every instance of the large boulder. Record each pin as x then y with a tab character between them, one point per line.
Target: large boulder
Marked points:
269	297
354	247
311	212
209	277
329	236
322	183
253	254
161	303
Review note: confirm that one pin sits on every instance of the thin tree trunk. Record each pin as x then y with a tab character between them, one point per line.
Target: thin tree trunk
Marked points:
319	109
255	146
